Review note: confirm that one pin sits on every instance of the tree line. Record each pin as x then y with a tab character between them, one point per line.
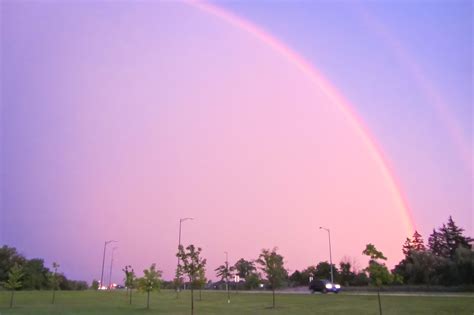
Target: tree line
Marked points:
447	259
18	272
35	275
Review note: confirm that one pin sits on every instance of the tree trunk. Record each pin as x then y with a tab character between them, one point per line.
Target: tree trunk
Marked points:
273	290
130	296
54	296
11	298
380	304
192	301
148	300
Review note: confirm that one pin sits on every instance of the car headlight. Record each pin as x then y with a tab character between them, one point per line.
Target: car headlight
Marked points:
328	286
337	286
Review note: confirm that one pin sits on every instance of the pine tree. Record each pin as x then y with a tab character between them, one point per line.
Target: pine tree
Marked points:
454	238
417	242
407	247
437	244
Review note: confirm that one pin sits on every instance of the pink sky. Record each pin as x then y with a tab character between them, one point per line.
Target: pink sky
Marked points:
131	120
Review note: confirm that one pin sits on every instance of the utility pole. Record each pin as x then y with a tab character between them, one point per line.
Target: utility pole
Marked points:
227	276
103	263
181	220
111	264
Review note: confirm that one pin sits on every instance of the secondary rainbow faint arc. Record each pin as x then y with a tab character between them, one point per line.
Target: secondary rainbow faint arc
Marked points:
335	97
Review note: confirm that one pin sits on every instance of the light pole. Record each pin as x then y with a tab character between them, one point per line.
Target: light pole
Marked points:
111	264
181	220
330	254
103	263
227	276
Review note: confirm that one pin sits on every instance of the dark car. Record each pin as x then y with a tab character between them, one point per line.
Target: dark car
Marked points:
324	286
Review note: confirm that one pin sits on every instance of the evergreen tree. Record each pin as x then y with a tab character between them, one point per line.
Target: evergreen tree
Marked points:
437	244
417	242
454	237
447	239
407	247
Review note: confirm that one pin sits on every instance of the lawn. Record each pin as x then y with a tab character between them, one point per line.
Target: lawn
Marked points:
165	302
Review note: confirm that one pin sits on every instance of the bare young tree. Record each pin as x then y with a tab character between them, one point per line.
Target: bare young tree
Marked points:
130	279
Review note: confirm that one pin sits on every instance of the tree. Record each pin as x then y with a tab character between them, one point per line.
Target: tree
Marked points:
178	280
272	265
307	273
296	278
437	244
378	272
360	279
323	270
95	284
423	267
54	280
346	275
410	248
129	280
14	281
192	265
252	281
35	274
373	253
151	281
225	272
464	262
447	239
244	268
200	282
417	242
454	237
8	258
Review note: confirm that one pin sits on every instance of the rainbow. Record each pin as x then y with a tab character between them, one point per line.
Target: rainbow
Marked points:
427	87
333	95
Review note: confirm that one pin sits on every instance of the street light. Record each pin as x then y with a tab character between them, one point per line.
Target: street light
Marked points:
111	264
103	262
330	254
181	220
227	276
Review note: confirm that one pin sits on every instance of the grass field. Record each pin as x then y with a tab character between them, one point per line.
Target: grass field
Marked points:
165	302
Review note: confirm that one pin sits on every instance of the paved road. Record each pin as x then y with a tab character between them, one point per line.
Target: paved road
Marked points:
366	293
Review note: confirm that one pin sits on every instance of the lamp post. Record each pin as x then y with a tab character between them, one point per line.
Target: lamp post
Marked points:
330	254
111	264
103	262
227	276
181	220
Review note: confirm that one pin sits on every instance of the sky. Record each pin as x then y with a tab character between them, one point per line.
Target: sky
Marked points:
261	120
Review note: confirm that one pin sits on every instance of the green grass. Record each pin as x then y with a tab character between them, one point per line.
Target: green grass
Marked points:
165	302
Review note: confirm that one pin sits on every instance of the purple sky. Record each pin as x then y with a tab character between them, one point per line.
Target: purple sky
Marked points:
117	119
